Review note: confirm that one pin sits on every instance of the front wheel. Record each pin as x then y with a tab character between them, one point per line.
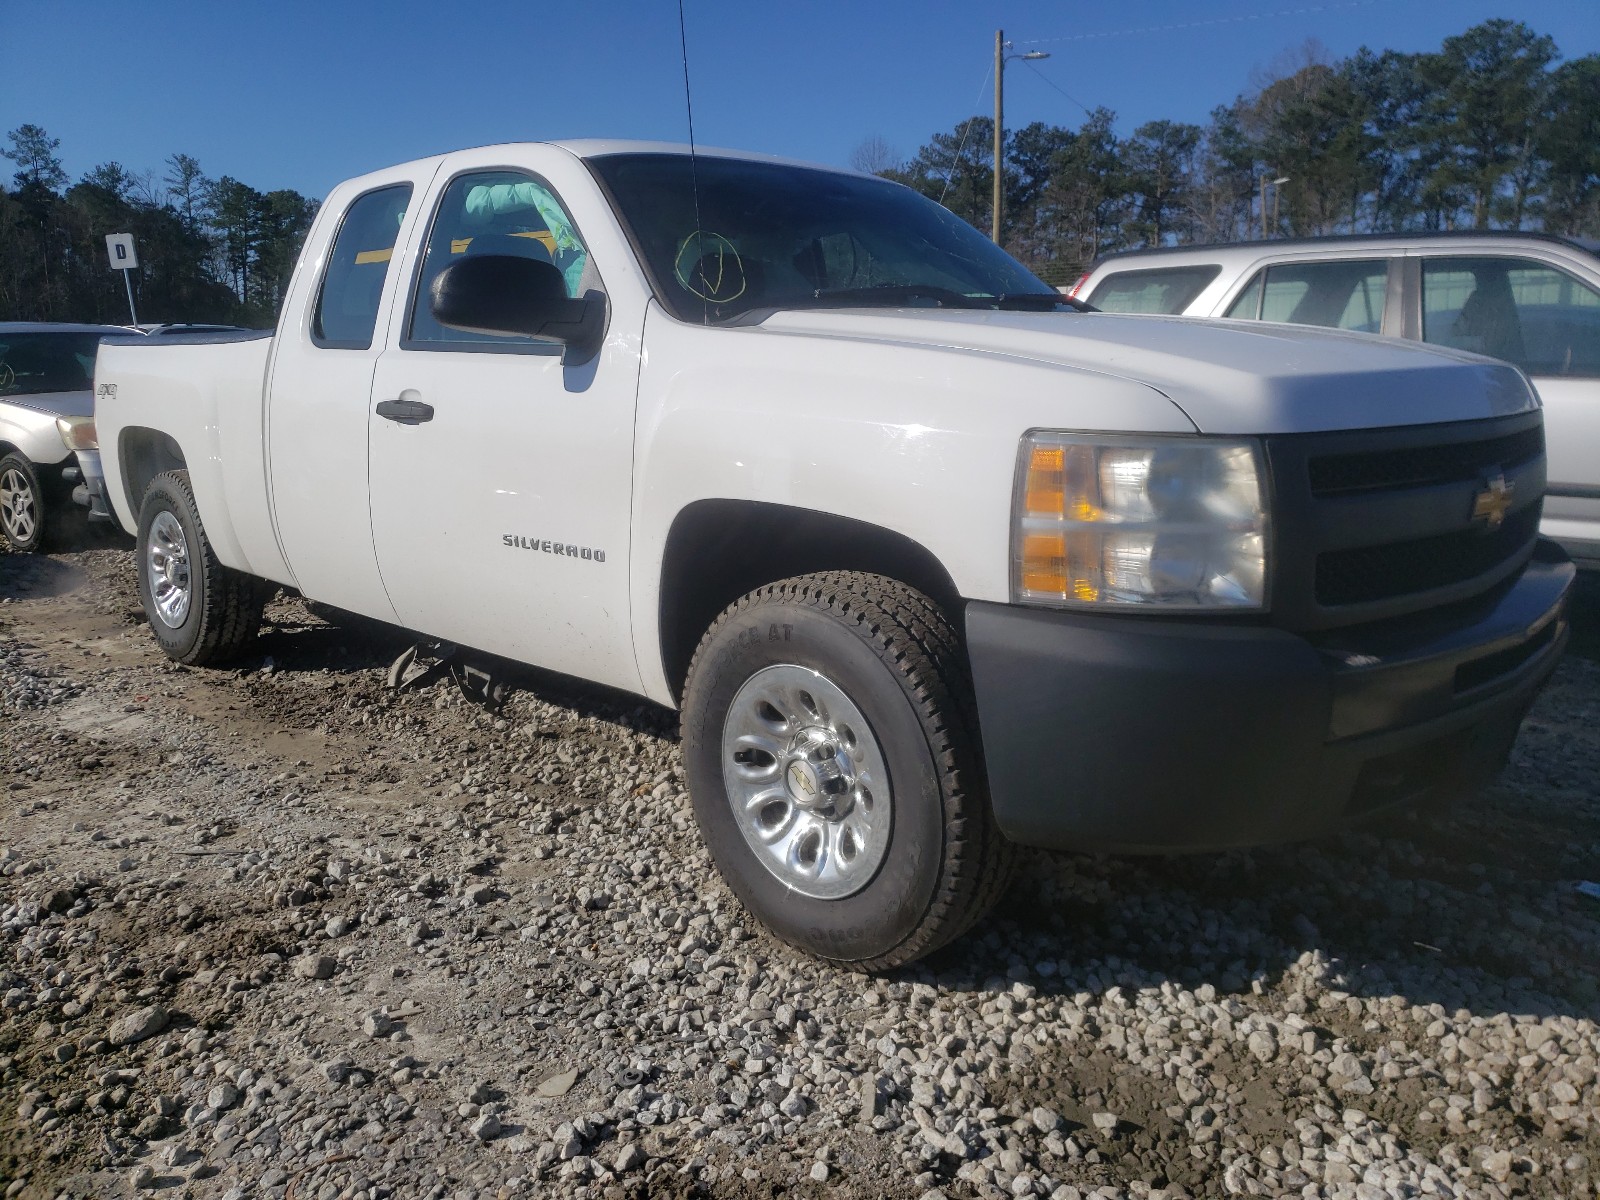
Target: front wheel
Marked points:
834	769
200	611
30	510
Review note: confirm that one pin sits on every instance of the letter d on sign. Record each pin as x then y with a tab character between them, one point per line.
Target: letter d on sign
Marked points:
119	246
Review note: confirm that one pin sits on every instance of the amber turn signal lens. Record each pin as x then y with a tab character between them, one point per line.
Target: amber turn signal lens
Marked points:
1046	489
1060	564
1166	519
1044	562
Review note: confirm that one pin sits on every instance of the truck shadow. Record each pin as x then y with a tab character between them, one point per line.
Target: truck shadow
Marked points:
1474	908
1586	617
307	636
35	576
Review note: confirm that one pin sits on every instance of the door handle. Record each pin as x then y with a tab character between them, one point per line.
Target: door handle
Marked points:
407	410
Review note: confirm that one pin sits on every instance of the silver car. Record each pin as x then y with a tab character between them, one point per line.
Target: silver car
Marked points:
47	439
1530	299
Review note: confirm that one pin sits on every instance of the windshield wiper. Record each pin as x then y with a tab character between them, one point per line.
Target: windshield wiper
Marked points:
891	294
1040	302
898	294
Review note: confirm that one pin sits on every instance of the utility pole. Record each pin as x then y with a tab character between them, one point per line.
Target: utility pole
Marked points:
999	125
1277	186
1000	57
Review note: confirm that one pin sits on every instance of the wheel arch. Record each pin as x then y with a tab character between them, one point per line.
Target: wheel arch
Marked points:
718	550
142	454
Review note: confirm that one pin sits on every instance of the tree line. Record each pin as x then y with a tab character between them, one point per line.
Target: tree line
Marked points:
1492	131
210	250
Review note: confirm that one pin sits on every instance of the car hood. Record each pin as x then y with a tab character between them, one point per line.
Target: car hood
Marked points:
55	404
1228	377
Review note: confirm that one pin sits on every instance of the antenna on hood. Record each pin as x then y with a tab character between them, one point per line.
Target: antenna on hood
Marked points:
694	173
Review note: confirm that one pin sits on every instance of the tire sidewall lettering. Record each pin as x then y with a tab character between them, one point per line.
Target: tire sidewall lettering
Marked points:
891	906
167	498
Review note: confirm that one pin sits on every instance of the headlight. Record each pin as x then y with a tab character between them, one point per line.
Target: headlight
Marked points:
1175	522
78	433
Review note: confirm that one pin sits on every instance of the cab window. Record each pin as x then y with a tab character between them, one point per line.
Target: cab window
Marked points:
504	213
1524	312
347	308
1338	294
1167	290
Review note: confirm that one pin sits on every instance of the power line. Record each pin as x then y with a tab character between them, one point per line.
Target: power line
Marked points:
956	161
1261	16
1086	110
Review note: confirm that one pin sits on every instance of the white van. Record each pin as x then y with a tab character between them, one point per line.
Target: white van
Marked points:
1530	299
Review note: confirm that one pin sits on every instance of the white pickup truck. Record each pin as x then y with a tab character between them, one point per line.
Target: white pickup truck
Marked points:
932	562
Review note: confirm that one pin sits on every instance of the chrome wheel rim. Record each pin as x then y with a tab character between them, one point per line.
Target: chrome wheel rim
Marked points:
807	782
19	508
167	569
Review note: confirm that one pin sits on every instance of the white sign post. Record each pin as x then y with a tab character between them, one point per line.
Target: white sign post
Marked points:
123	258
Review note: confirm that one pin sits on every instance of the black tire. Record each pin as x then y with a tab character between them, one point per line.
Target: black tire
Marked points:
223	612
36	504
897	658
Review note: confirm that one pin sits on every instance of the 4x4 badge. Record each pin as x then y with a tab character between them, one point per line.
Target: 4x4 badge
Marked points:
1493	499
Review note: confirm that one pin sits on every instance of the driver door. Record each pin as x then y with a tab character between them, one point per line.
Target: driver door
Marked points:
501	517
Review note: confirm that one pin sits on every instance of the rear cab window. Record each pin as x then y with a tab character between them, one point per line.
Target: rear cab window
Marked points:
352	284
1528	313
1167	290
1334	293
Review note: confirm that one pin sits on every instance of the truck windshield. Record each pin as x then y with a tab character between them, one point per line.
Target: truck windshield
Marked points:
34	363
723	237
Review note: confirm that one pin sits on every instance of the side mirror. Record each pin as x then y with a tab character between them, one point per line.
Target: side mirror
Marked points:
505	295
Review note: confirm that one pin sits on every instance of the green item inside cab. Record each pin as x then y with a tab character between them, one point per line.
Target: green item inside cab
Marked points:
498	199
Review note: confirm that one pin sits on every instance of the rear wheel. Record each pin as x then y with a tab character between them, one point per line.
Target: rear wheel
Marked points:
32	505
834	768
200	611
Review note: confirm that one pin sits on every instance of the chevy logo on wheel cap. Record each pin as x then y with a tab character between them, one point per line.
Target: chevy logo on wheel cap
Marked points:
801	777
1493	499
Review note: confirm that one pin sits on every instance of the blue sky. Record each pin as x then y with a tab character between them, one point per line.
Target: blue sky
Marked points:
293	93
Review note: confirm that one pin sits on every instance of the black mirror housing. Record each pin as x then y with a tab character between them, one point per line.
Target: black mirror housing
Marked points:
509	296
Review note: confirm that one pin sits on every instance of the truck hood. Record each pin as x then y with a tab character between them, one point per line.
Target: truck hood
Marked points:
55	404
1228	377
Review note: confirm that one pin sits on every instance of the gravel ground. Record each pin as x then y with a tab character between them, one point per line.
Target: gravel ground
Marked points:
276	932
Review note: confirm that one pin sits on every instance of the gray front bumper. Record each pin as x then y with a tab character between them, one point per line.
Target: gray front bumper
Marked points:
1116	733
91	492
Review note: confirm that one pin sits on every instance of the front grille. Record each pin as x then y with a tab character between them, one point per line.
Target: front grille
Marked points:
1372	524
1369	573
1420	466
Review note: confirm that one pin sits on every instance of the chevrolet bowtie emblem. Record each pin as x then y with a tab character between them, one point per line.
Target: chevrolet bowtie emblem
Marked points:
1492	500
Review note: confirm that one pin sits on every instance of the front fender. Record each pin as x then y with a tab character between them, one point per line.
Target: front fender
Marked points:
33	433
918	440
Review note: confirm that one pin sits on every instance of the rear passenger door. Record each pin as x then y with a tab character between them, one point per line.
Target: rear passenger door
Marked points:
1336	293
1546	320
320	378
